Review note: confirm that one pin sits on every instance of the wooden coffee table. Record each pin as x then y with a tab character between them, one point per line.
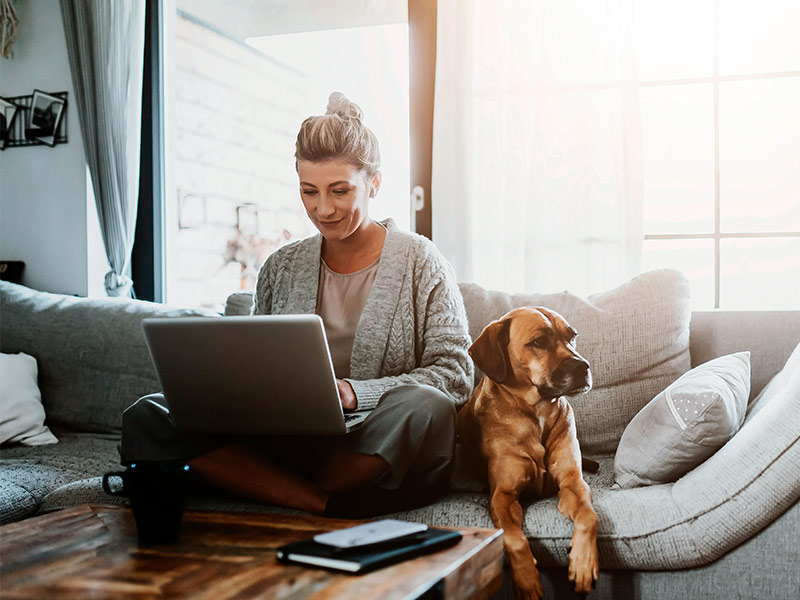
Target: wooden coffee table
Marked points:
91	552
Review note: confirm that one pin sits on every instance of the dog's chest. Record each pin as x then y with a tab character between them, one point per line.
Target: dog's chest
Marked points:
519	432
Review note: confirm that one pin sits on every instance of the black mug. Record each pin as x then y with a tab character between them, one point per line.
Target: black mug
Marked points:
157	494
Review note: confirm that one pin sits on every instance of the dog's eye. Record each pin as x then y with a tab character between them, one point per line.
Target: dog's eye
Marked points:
540	342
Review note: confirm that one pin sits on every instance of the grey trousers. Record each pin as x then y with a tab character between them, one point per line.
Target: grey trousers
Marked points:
413	428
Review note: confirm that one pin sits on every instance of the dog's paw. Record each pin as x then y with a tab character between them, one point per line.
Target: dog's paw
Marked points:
584	568
529	590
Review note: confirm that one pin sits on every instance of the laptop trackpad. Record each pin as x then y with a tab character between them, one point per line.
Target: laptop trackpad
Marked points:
355	419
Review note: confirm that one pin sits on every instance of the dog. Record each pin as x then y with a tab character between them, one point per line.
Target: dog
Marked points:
520	427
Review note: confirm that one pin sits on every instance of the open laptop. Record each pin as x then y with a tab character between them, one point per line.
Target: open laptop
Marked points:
248	375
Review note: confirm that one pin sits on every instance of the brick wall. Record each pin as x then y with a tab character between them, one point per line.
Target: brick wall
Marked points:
235	118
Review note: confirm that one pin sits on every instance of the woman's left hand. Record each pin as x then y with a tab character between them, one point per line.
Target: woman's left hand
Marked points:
347	395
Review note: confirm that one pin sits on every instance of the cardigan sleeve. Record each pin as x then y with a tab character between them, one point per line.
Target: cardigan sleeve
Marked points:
262	298
441	324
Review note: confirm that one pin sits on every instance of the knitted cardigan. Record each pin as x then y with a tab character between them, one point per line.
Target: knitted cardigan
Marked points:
413	328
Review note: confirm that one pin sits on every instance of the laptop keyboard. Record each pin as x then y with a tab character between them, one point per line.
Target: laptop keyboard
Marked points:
348	418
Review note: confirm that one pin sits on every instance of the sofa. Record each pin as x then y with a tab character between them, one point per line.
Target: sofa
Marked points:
728	528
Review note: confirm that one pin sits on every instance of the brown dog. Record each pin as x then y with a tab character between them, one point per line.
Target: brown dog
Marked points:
522	429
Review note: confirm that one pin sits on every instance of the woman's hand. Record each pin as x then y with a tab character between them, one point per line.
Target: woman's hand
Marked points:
347	395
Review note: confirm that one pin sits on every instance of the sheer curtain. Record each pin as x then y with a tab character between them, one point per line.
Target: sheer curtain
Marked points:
105	43
537	181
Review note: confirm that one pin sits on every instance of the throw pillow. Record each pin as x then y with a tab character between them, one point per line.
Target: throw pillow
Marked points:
685	424
21	411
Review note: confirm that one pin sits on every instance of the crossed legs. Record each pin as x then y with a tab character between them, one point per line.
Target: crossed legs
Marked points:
409	437
247	472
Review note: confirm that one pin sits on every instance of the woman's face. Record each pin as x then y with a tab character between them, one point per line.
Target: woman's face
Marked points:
336	196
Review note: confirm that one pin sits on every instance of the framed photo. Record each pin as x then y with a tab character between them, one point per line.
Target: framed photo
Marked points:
44	117
8	112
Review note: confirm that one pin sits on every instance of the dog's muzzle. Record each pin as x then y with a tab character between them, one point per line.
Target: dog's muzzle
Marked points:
572	376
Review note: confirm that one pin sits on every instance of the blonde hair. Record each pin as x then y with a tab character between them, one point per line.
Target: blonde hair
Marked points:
339	134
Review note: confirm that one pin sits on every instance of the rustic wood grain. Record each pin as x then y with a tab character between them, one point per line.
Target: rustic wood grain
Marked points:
91	552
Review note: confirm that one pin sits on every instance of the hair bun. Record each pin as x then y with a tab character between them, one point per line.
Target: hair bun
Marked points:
339	104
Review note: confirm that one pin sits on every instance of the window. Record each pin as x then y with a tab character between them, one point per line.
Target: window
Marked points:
239	79
719	94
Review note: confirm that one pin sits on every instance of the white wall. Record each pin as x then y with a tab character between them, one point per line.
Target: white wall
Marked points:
43	191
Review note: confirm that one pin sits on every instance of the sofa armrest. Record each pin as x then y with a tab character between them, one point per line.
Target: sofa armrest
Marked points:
753	478
770	336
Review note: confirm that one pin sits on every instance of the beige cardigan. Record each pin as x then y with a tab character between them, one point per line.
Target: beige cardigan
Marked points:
413	328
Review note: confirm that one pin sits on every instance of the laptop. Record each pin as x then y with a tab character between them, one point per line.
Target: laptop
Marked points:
248	375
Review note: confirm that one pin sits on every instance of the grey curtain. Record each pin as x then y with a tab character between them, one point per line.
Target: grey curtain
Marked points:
105	43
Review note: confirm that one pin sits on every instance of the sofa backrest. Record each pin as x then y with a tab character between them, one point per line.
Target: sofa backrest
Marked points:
636	338
92	357
628	318
769	335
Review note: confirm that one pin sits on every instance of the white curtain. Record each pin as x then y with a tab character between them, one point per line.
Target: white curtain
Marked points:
537	182
105	44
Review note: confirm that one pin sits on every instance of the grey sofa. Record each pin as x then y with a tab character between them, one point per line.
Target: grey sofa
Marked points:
728	529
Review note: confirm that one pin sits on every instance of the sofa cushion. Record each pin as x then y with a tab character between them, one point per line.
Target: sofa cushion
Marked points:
92	357
636	338
685	424
16	502
29	474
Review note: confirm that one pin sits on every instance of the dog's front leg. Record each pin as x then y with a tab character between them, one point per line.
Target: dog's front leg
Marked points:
575	503
507	478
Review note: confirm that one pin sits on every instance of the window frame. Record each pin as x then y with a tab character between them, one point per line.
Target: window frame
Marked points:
717	235
148	268
148	260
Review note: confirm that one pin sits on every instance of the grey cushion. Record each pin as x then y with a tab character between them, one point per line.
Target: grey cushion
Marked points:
769	335
238	304
92	357
16	502
685	424
636	338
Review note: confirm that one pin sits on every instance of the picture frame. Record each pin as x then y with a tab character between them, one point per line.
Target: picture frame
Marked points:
44	117
8	112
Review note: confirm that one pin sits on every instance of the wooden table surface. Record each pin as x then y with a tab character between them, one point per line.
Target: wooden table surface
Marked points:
91	552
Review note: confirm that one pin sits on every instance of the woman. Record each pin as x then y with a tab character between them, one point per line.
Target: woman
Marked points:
397	331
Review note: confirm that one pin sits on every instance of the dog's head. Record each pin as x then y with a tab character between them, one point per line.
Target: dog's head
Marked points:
533	346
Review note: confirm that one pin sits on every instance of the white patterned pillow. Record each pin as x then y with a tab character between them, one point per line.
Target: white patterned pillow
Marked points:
685	424
21	411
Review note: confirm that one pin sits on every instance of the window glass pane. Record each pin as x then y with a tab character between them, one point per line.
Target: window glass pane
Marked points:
234	108
694	257
370	66
678	165
760	274
759	37
760	155
675	40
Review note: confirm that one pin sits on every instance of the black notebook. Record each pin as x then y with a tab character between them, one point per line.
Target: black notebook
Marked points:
366	558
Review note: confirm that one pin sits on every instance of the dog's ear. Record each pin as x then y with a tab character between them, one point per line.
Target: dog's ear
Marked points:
490	350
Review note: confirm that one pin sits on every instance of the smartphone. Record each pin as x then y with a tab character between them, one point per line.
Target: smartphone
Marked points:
369	533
